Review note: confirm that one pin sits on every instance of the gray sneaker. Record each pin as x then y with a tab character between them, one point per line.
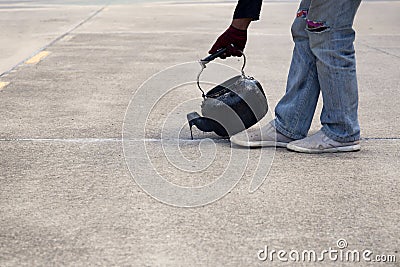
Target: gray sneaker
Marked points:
266	136
320	143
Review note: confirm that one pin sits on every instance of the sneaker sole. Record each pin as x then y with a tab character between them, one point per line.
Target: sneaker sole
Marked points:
351	148
259	143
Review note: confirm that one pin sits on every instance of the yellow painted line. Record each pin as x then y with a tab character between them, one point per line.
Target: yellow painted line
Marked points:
37	58
3	85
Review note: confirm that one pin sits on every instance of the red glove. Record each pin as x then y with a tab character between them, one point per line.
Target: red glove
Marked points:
231	36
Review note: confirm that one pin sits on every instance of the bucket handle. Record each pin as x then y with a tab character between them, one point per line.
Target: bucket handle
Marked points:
210	58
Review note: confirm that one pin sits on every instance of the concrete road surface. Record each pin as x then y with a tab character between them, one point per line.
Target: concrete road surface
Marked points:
93	103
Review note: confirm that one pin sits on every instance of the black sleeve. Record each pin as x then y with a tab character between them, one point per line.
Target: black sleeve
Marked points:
248	9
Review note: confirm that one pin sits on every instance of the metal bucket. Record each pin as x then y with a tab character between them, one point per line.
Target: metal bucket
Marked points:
231	107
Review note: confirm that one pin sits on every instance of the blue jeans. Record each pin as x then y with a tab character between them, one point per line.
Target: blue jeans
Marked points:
323	60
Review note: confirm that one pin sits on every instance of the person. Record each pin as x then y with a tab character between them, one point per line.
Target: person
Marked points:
323	60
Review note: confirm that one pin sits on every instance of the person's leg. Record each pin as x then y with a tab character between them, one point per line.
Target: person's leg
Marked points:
331	37
323	59
295	110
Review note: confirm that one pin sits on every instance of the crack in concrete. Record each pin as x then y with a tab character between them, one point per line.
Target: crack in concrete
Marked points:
118	140
379	50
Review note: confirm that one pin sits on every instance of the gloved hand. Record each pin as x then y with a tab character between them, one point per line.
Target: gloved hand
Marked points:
231	36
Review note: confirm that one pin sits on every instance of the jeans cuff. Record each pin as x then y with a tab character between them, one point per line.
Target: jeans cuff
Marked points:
281	130
334	137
